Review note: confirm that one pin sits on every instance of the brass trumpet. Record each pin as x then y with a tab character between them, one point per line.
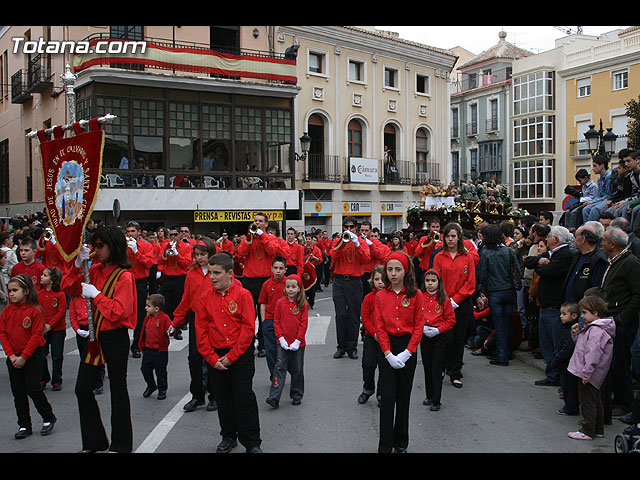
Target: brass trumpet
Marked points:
436	236
47	235
346	236
253	229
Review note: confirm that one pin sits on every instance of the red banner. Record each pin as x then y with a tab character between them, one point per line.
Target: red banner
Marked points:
71	168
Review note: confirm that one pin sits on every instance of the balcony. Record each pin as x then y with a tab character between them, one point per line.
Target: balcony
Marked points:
322	168
151	54
19	90
491	125
471	129
39	75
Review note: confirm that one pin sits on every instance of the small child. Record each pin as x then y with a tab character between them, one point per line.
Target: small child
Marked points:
290	322
272	291
28	265
54	304
154	346
569	314
370	344
21	329
590	362
437	334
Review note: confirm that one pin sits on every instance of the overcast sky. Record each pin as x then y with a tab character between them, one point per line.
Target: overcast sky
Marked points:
477	39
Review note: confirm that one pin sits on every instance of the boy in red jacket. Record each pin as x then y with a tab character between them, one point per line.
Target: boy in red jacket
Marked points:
29	265
154	346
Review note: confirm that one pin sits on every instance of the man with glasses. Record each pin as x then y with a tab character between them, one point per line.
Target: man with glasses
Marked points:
175	261
140	256
349	254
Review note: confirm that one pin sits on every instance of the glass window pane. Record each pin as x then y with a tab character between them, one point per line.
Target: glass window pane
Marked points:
116	151
149	151
183	153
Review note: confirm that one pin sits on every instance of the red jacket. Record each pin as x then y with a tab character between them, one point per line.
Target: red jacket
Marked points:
366	313
378	253
21	327
178	264
438	315
142	260
195	285
228	246
54	305
258	255
296	256
411	246
270	293
316	252
290	322
34	271
424	249
225	320
154	332
51	256
458	274
396	314
78	316
325	246
349	259
119	310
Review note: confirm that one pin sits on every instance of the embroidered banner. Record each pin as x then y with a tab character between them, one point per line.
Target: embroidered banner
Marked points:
190	59
71	169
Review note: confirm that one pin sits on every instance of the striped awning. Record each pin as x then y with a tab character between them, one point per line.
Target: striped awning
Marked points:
189	59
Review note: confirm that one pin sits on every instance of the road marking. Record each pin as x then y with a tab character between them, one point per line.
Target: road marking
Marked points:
160	432
317	330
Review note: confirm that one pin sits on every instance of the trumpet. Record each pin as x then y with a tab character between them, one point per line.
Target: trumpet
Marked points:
436	236
171	249
47	235
346	236
253	229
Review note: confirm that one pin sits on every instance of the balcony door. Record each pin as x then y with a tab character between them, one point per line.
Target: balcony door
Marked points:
317	167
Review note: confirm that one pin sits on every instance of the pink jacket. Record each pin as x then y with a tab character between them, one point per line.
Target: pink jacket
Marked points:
594	349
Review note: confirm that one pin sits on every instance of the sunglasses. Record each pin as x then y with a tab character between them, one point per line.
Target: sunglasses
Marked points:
173	234
184	231
349	226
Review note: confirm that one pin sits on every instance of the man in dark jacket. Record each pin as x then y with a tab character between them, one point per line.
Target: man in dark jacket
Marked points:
553	272
621	285
587	267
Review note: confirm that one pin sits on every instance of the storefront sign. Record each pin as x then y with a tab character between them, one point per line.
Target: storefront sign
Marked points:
317	209
363	170
356	208
391	208
234	215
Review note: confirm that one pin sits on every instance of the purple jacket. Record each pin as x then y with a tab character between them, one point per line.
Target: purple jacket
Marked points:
594	349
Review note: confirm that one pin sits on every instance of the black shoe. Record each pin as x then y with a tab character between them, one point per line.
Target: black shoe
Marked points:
353	354
296	401
226	445
261	353
363	398
547	382
427	401
626	419
57	387
399	450
149	391
193	404
178	335
162	395
273	403
212	406
23	433
136	353
339	353
497	362
47	427
255	449
99	390
435	407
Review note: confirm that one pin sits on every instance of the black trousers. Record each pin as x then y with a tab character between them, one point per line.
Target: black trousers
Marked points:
347	300
621	364
370	347
326	274
172	289
570	391
155	361
25	385
254	285
55	346
592	409
394	387
455	352
432	352
197	365
237	405
153	280
115	345
142	293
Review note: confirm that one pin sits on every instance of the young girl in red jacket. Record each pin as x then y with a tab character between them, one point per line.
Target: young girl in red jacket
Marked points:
21	329
54	304
399	320
290	322
439	320
370	345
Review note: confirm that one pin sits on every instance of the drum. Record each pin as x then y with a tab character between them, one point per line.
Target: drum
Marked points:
308	276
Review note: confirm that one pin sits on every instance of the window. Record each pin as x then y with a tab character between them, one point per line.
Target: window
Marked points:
584	87
355	139
356	70
533	136
455	167
533	179
620	80
473	163
391	77
492	122
455	123
316	62
422	84
533	93
472	128
425	168
134	33
4	171
490	161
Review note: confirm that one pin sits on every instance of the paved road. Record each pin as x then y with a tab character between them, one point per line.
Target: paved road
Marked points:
499	410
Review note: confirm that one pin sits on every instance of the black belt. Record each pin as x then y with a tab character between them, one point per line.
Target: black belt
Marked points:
348	277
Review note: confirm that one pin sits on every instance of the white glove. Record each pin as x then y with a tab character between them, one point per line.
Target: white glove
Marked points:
295	345
259	232
404	356
53	237
133	245
354	239
170	331
394	361
83	254
173	251
82	333
158	275
453	304
369	242
89	291
430	331
284	344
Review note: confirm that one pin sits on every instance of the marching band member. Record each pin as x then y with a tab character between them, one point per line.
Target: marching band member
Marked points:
295	261
175	261
312	255
378	252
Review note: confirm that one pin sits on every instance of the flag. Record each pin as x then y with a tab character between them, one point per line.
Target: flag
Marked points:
71	168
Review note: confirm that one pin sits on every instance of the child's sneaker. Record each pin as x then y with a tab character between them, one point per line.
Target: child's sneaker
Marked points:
579	436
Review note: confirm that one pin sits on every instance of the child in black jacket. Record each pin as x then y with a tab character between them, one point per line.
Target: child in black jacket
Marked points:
569	314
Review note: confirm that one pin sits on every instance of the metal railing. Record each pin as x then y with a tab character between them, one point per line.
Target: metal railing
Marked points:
322	168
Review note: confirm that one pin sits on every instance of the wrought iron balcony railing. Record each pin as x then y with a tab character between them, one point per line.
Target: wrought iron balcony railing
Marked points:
19	89
39	74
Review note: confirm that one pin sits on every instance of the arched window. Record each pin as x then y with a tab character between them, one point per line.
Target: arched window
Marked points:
355	138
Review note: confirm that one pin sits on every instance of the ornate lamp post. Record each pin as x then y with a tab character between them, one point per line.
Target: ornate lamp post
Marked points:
599	144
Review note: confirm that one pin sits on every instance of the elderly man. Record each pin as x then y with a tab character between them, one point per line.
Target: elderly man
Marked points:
621	285
552	269
588	266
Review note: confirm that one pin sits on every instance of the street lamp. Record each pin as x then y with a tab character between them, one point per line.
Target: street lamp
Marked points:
599	143
305	143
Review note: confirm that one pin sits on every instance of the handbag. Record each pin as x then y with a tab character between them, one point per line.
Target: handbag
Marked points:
516	279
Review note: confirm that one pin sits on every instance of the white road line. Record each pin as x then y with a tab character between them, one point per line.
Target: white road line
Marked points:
317	330
160	432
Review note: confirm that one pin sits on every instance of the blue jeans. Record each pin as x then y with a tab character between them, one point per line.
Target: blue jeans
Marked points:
270	344
592	212
502	303
550	330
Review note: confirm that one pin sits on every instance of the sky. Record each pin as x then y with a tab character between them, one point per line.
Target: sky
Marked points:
477	39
